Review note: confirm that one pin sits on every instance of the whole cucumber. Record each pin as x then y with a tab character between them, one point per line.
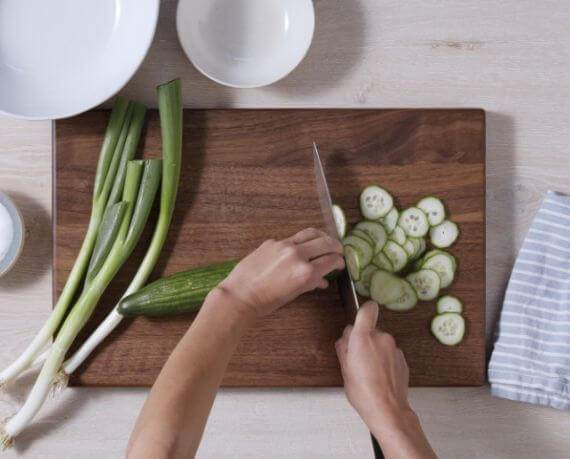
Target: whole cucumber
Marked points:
179	293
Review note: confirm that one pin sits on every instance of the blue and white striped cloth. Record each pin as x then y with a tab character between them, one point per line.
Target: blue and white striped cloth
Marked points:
531	357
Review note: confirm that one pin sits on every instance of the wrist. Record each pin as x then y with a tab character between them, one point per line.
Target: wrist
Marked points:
224	297
394	422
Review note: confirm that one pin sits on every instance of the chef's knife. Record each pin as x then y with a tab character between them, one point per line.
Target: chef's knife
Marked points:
346	286
345	283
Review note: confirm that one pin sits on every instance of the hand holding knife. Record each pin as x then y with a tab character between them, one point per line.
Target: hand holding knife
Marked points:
345	283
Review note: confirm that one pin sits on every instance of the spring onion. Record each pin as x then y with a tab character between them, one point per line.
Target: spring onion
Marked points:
170	108
110	226
111	153
127	205
129	144
123	195
141	184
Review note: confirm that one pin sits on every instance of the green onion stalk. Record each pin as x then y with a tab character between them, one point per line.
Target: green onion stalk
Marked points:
122	133
138	196
170	109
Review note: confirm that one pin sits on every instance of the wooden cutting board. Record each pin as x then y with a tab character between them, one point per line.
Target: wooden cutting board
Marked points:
248	176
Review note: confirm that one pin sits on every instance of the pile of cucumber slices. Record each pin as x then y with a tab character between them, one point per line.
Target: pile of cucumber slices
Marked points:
386	257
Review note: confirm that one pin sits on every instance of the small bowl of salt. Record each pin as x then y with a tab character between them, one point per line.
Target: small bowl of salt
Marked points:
11	234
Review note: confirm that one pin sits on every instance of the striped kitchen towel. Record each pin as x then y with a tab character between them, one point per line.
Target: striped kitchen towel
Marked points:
531	357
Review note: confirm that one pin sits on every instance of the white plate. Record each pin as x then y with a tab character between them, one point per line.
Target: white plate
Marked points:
62	57
245	43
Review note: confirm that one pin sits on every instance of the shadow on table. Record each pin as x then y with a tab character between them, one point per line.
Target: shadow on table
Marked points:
500	212
166	60
36	255
338	41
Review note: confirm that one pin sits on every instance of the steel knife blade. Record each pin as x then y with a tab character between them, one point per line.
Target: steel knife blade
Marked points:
345	283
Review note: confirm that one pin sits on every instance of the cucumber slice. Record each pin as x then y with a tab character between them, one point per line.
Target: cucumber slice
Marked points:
396	254
362	235
385	288
407	299
376	232
414	222
419	246
375	202
398	235
353	262
422	247
433	208
426	283
410	248
415	241
362	286
364	249
449	303
390	221
434	252
444	234
442	264
448	328
339	220
383	262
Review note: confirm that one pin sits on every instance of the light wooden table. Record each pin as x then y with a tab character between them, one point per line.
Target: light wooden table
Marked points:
510	57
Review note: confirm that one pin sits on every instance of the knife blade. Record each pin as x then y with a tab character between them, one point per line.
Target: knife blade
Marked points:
345	283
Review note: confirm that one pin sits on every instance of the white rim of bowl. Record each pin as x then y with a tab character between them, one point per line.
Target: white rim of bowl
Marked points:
245	86
116	88
22	233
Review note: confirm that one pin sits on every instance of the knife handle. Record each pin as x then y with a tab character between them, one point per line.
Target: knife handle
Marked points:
378	454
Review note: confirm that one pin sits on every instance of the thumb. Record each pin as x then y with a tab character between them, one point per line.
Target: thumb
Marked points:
367	317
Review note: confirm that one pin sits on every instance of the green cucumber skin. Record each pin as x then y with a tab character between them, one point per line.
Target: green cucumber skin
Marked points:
176	294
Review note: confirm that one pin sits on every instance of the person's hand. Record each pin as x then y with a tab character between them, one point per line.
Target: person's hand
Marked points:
278	271
374	370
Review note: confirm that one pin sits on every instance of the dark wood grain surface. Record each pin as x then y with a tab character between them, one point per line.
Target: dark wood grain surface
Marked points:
247	176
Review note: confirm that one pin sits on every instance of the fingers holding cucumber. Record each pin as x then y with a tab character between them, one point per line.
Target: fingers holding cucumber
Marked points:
279	271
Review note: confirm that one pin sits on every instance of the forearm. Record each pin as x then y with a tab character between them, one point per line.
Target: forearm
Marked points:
401	436
173	418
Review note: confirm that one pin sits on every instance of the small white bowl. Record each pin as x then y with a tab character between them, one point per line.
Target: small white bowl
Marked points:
63	57
245	43
15	247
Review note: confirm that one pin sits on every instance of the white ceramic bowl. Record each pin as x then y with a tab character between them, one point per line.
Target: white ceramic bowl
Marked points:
9	258
245	43
63	57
